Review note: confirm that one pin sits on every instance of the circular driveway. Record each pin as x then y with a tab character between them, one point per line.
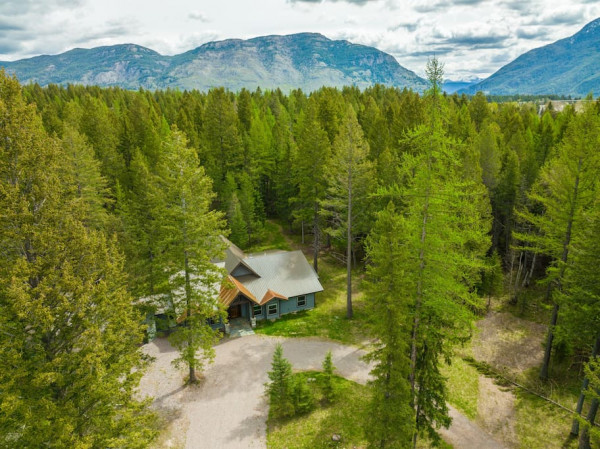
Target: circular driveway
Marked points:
228	410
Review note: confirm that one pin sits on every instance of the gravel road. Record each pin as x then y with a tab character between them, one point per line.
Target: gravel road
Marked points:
228	409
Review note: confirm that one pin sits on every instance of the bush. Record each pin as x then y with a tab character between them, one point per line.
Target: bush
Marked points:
302	395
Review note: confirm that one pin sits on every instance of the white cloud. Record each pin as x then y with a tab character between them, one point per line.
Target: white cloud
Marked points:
198	15
472	37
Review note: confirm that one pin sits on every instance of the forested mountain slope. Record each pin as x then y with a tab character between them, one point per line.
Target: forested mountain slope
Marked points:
307	61
570	66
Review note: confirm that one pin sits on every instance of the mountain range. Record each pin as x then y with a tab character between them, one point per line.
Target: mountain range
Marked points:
308	61
305	60
569	66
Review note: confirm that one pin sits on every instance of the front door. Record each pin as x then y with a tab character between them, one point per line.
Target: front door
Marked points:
234	311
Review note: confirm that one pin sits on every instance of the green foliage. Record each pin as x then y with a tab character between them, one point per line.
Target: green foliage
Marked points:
281	386
314	429
302	396
188	240
70	336
391	421
329	393
426	261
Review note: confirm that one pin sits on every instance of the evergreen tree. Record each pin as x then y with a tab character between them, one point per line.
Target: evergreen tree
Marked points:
280	386
188	242
92	194
579	299
391	415
328	384
237	224
565	191
351	181
592	372
70	335
311	170
302	396
444	235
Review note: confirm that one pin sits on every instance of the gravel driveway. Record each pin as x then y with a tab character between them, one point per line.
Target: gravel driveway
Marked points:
228	410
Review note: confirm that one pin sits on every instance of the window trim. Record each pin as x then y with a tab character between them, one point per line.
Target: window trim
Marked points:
254	311
298	301
276	312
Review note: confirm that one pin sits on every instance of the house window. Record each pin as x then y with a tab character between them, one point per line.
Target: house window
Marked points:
301	301
256	310
272	309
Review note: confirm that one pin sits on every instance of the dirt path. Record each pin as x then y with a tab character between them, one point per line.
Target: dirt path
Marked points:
510	345
228	410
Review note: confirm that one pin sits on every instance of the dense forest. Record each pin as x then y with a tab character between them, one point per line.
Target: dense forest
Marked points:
109	195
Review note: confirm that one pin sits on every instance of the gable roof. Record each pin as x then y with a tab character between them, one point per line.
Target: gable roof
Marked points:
275	274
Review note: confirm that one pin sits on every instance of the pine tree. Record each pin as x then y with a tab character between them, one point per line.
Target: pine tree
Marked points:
237	224
328	383
314	152
188	242
92	194
592	372
565	192
391	415
70	340
302	396
446	207
579	299
351	181
280	386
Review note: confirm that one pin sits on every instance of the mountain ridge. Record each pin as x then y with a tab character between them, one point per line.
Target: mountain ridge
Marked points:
568	66
303	60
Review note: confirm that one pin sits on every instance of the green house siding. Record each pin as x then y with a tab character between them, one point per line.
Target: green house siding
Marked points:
286	306
291	305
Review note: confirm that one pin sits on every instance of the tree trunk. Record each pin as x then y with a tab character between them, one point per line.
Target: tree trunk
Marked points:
584	438
316	238
510	281
584	386
188	292
563	259
549	341
303	232
349	312
413	349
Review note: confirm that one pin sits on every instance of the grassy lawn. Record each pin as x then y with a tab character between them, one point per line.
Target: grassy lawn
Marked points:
328	318
344	417
314	430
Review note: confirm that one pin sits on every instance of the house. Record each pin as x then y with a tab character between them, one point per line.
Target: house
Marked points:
267	285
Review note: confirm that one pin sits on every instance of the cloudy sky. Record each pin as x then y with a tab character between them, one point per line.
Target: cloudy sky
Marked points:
471	37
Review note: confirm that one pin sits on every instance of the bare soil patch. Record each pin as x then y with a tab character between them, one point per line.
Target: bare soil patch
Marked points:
509	344
496	411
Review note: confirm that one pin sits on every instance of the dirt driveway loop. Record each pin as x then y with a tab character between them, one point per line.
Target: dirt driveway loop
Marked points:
229	410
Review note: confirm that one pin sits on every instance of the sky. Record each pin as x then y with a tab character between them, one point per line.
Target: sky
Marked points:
473	38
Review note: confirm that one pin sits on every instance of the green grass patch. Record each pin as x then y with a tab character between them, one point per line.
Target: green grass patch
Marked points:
463	386
344	417
328	318
541	424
